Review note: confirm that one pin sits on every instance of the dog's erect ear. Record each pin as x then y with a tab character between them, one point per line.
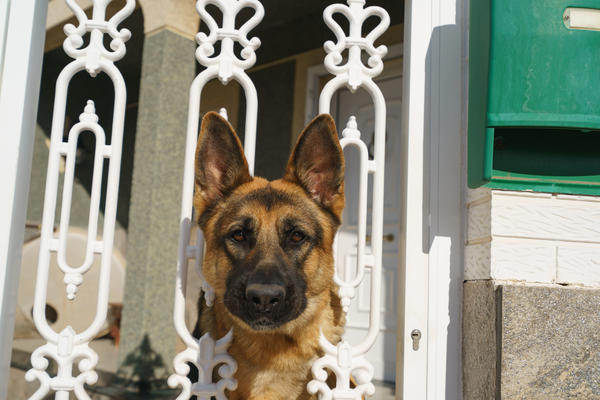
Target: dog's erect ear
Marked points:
317	164
220	162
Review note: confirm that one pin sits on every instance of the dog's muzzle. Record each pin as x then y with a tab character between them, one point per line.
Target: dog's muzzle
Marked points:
264	298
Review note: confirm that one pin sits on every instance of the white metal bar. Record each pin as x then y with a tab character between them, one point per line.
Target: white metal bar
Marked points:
348	285
69	346
207	352
22	26
347	359
89	122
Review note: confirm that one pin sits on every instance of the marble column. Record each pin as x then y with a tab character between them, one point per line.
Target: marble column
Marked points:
148	337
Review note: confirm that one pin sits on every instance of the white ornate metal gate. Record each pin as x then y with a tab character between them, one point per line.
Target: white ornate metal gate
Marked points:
205	353
67	347
344	359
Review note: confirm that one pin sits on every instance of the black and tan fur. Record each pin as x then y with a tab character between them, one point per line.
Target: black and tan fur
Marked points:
269	255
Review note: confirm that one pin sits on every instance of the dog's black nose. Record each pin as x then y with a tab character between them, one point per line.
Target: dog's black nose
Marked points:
265	296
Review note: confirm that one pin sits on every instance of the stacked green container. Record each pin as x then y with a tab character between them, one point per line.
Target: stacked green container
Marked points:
534	97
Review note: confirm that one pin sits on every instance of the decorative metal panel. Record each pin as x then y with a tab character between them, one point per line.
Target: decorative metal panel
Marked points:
346	359
207	352
67	347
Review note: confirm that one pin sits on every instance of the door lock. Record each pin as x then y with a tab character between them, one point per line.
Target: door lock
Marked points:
416	337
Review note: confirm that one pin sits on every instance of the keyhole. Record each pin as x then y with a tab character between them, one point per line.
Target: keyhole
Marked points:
416	337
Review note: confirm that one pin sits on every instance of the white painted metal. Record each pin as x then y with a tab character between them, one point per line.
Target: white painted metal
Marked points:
226	65
22	30
383	353
347	359
316	72
205	352
348	286
86	296
69	346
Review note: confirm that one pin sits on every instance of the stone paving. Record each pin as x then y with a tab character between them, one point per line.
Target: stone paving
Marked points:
20	389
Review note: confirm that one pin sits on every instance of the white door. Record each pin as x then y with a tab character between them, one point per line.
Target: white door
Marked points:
359	104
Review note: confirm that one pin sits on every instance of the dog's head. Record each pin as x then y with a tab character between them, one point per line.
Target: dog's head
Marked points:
269	244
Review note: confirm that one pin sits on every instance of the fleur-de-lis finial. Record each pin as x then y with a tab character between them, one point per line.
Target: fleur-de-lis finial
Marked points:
207	356
95	52
356	15
227	60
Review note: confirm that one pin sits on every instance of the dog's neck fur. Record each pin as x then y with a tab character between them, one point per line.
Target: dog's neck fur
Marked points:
286	359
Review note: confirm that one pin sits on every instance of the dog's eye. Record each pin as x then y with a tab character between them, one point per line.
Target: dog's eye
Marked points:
239	235
297	237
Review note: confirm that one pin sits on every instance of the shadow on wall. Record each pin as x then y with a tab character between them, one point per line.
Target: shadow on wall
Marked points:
143	370
442	204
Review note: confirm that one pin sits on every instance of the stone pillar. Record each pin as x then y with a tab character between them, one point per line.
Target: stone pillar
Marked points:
531	325
148	337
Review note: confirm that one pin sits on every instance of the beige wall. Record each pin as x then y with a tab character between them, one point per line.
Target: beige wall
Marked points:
175	15
216	95
60	14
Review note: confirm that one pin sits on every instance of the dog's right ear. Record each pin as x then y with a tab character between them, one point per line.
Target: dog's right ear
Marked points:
317	164
220	162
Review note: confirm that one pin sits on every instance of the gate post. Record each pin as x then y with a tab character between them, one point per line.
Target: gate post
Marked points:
21	53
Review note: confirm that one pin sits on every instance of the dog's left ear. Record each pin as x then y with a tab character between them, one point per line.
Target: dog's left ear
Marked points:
317	164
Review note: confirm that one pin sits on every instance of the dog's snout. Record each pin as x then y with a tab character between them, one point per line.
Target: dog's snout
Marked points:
265	296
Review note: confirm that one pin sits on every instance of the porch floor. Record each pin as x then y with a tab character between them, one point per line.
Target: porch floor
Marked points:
19	389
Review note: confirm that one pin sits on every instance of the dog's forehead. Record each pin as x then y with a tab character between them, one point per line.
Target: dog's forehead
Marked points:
270	199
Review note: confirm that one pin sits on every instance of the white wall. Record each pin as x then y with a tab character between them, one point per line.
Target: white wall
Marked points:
434	104
533	237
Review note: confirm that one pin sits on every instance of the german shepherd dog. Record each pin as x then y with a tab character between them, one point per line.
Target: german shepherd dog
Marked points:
269	255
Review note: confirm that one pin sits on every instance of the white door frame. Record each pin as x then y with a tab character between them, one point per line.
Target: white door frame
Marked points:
23	25
433	119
